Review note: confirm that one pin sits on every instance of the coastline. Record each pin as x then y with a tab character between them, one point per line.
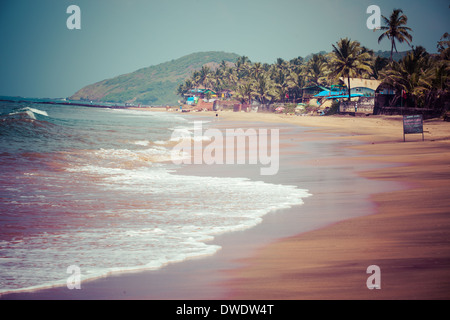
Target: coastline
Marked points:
238	272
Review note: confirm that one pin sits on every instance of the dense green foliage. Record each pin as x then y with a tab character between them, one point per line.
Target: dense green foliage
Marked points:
283	81
422	77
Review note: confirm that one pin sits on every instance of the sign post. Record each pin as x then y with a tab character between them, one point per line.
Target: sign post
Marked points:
412	125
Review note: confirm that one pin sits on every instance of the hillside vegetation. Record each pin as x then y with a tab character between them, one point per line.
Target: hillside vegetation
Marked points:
154	85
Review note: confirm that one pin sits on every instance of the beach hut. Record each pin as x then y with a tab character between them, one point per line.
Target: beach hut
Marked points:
310	91
192	100
211	93
335	90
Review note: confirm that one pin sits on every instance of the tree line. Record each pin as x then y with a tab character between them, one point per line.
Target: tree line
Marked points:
420	78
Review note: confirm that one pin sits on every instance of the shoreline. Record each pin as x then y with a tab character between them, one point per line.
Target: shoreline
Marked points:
408	236
234	245
224	275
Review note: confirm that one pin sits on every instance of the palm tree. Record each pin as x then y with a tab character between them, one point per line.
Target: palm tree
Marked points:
378	63
395	29
181	90
185	87
203	76
443	46
316	69
413	75
256	70
296	81
195	78
281	92
218	79
280	64
349	60
297	61
245	92
209	80
223	65
264	88
242	67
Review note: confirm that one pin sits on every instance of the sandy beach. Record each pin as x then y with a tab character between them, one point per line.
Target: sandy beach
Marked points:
407	236
376	201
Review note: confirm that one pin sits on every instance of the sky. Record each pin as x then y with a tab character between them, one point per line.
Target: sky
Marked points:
40	57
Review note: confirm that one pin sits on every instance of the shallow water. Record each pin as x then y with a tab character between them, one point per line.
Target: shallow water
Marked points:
94	188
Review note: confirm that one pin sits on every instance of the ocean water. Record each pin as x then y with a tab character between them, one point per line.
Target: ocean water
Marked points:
95	188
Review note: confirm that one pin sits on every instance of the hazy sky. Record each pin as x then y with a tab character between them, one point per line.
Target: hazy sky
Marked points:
41	57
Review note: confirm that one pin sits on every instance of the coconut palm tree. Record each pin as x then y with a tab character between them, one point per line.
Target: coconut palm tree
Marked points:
245	92
349	60
440	84
395	29
204	76
195	78
223	65
242	67
295	82
185	87
378	63
256	70
280	92
297	61
280	64
209	80
181	90
412	75
264	88
230	78
316	69
218	79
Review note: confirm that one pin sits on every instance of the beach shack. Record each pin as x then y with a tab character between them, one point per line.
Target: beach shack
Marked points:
362	96
309	92
209	93
332	93
192	100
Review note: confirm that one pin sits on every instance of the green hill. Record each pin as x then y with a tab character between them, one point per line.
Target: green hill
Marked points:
154	85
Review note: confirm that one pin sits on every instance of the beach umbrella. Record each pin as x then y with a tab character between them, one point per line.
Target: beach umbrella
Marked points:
279	109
